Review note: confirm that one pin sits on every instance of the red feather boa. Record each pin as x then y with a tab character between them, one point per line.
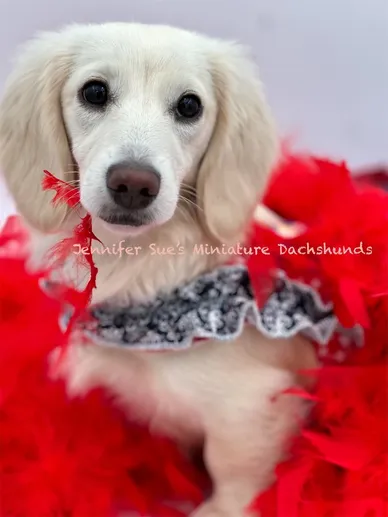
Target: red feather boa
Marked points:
339	465
82	457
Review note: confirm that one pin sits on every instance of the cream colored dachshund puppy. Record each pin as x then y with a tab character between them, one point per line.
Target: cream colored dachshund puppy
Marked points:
169	138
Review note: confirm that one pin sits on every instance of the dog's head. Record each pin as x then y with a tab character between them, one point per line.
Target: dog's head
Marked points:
137	115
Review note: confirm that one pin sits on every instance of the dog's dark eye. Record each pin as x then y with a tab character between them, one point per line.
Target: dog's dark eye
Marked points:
189	106
96	93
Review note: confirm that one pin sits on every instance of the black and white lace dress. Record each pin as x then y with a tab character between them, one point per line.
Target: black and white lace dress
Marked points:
217	305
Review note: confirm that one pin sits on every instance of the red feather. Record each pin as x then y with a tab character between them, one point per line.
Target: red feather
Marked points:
338	466
64	193
82	235
59	456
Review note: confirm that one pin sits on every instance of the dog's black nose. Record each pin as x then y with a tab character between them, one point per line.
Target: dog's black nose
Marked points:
132	186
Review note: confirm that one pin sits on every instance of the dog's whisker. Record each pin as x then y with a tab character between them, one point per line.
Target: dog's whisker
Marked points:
186	201
65	195
188	186
190	203
187	212
68	199
73	183
188	193
191	192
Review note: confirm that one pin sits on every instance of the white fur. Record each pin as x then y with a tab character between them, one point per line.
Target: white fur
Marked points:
219	394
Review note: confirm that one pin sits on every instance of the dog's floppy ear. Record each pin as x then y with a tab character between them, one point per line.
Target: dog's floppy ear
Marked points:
32	132
242	150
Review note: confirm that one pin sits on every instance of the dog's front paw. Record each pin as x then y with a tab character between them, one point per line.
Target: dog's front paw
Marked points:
215	508
78	366
209	509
